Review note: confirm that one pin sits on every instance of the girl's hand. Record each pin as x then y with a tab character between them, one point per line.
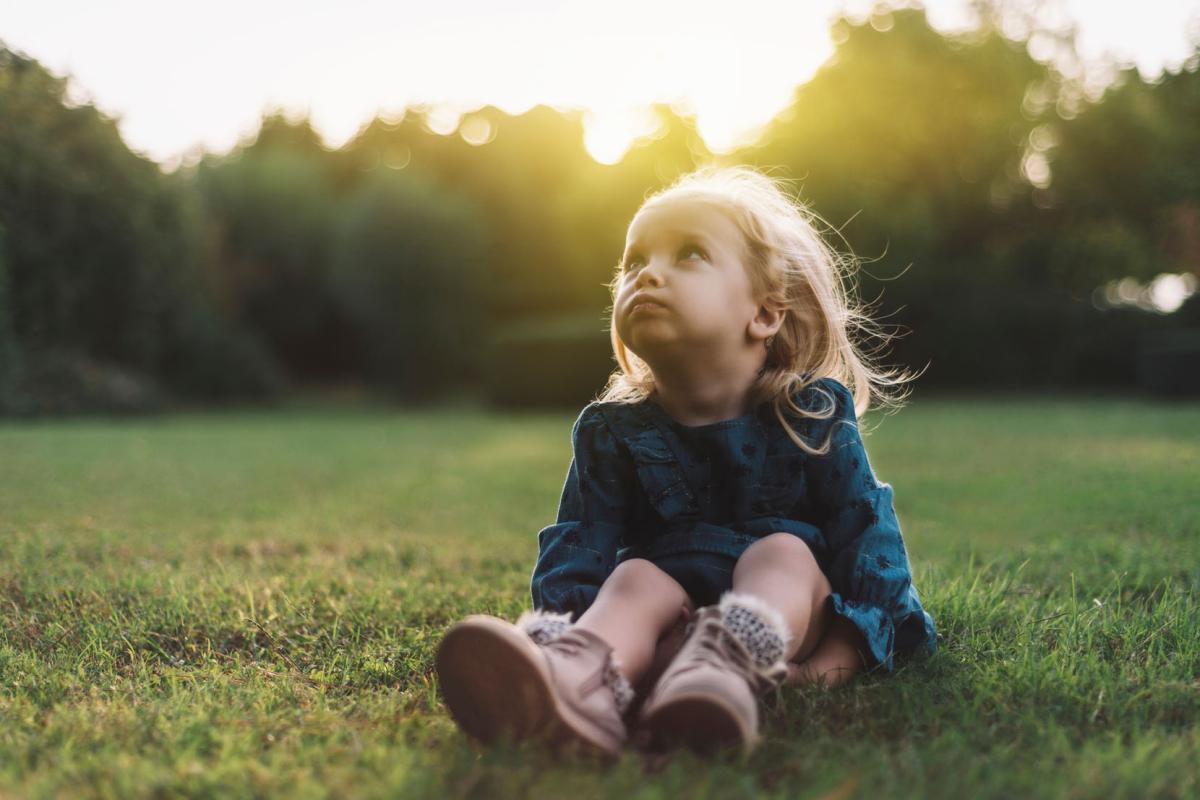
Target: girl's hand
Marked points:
836	660
809	672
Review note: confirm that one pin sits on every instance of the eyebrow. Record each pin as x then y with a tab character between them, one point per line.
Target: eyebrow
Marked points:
685	235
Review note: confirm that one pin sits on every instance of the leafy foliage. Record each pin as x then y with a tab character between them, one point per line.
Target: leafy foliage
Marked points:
988	200
100	247
409	270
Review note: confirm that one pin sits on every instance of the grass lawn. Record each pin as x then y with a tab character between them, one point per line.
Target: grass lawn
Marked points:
247	604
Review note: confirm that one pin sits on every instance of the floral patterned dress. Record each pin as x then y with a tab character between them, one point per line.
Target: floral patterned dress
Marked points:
642	485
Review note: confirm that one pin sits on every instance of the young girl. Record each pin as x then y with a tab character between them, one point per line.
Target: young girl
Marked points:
720	530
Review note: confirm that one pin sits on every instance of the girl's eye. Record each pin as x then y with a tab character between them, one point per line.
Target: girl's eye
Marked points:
636	261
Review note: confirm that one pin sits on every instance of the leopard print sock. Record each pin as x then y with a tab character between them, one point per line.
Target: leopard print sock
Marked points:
614	679
543	626
759	626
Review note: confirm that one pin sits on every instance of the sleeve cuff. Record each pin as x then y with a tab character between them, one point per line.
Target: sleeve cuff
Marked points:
573	600
875	624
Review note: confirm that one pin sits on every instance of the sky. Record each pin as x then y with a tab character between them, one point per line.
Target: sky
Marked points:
181	77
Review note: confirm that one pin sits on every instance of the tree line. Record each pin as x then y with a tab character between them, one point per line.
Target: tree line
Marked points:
990	204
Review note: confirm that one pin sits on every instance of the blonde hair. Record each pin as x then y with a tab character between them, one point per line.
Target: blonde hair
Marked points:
791	267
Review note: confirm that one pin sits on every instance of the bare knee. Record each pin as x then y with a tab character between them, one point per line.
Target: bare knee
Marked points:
782	569
784	551
640	576
781	547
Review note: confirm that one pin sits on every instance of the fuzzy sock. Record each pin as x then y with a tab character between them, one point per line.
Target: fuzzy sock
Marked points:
758	625
614	678
543	626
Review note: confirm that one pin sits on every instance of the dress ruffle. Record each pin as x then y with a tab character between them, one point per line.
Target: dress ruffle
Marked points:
885	636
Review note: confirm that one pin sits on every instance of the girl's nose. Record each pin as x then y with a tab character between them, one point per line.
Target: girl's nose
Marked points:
649	274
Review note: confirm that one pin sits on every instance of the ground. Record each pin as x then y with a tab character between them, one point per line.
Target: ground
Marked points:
247	604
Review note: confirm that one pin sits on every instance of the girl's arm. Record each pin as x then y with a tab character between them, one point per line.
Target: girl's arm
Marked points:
868	562
578	552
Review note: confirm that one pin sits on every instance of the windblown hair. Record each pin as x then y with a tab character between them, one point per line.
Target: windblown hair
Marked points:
791	266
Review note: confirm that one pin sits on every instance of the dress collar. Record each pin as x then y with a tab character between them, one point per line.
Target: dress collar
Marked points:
760	414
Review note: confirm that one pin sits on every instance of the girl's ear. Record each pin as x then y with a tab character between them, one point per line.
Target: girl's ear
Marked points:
766	322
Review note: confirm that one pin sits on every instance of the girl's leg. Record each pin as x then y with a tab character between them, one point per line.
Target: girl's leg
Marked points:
781	571
774	608
636	605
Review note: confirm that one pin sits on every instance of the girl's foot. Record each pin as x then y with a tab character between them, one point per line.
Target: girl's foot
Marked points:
707	698
591	695
494	679
567	690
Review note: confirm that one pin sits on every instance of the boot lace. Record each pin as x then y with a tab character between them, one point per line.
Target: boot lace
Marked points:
571	643
715	645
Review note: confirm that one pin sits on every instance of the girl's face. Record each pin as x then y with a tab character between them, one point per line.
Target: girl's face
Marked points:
684	290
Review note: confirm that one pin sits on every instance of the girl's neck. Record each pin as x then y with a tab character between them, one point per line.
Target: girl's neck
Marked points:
707	395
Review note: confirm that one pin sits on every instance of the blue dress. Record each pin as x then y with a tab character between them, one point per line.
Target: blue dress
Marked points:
692	498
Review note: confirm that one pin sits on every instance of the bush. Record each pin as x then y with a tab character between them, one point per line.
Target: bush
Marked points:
272	208
56	382
9	353
407	270
207	359
103	294
556	361
1169	363
1024	338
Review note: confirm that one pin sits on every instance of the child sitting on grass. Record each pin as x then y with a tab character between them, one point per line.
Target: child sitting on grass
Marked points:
720	530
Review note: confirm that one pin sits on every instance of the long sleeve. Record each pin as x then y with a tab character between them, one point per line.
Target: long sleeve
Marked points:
868	565
578	552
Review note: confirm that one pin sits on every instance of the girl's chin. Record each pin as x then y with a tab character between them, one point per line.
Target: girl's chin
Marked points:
652	350
640	336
